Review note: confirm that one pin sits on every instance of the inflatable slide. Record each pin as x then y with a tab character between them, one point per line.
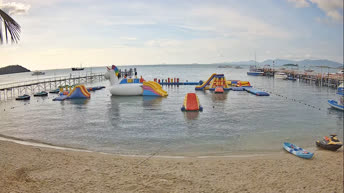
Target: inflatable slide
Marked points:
151	88
201	87
191	103
78	92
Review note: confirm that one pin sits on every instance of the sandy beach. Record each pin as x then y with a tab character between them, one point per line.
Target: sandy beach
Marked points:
25	168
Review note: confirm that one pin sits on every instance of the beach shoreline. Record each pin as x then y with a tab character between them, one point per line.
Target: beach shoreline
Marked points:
27	168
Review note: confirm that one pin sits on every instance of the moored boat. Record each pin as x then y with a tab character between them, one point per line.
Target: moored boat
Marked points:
39	94
297	151
291	78
77	69
23	97
336	105
36	73
330	143
255	73
56	91
340	103
281	75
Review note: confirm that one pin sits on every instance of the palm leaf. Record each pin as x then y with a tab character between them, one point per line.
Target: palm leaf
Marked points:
12	28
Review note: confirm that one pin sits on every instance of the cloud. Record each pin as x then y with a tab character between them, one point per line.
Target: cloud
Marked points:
14	8
230	23
128	38
163	43
332	8
299	3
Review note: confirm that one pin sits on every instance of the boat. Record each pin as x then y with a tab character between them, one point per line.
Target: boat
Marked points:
281	75
309	70
330	143
225	66
77	69
340	72
36	73
23	97
340	88
336	105
56	91
290	78
297	151
39	94
255	73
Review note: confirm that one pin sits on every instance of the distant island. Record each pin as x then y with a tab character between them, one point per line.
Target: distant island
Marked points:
281	62
296	65
13	69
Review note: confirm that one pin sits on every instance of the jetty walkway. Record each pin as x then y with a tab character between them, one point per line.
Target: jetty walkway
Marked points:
10	90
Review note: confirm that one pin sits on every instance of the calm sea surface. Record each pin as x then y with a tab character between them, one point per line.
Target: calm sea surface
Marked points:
236	122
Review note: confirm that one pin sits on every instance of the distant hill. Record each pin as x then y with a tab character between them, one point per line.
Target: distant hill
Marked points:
280	62
13	69
304	63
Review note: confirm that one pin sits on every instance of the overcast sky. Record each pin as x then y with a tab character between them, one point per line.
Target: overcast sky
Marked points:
67	33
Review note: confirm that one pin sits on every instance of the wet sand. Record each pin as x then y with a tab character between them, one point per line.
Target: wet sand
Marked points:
25	168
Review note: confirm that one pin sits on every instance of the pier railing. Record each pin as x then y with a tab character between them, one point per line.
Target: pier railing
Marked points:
9	90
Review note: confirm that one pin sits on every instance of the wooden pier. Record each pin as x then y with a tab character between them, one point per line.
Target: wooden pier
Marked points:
11	90
321	79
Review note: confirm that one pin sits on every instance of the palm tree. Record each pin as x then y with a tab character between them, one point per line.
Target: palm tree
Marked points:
12	28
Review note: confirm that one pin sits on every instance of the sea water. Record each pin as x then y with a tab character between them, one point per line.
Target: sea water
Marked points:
231	123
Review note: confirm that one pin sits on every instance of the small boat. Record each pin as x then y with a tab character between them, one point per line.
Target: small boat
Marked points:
290	78
39	94
23	97
36	73
297	151
330	143
340	88
77	69
340	72
56	91
255	73
219	90
334	104
281	75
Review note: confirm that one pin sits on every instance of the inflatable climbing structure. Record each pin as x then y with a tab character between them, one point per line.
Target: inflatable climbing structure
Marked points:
191	103
78	92
215	80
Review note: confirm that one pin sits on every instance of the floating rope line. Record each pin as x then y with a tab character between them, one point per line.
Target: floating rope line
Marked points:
292	99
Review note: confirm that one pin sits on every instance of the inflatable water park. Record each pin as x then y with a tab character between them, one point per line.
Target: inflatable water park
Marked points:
219	84
128	86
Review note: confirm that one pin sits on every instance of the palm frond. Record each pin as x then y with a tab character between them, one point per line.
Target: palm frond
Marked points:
12	28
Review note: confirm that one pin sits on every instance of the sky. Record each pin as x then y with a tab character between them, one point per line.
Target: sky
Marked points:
68	33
